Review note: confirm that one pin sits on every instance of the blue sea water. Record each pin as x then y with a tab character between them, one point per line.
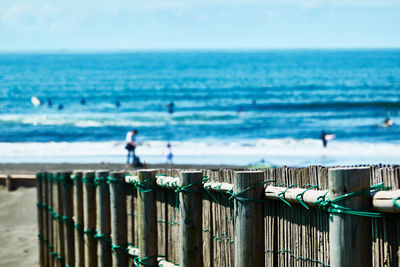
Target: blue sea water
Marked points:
220	99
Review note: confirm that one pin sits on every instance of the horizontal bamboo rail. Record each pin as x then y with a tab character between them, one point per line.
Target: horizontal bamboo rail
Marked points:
382	201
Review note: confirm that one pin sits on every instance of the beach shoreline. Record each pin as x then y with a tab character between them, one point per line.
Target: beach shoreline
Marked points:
32	168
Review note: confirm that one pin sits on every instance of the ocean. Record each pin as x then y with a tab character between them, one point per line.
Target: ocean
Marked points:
229	107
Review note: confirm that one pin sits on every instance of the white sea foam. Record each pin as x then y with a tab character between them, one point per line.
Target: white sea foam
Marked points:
267	151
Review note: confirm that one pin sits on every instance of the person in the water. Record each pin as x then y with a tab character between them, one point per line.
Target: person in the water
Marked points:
387	122
325	137
171	107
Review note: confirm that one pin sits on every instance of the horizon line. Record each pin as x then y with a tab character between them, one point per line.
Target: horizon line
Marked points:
155	50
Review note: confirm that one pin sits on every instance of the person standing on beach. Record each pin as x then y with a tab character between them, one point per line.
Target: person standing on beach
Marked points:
131	146
169	154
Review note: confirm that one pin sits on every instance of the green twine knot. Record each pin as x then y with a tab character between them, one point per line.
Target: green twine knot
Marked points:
397	205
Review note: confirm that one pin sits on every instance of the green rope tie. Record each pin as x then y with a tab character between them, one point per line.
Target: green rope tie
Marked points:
90	232
138	261
330	206
167	222
397	205
299	196
219	239
297	258
78	225
103	237
76	178
283	194
87	181
142	186
236	195
100	180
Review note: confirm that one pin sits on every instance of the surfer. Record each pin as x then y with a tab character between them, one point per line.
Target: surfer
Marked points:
171	107
83	101
326	137
60	107
35	101
387	122
117	103
49	102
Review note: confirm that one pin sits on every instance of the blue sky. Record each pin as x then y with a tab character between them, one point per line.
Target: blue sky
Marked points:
43	25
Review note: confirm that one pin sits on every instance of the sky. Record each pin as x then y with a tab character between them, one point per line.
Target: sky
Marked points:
85	25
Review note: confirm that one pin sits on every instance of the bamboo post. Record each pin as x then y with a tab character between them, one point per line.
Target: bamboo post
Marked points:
191	226
104	218
350	236
147	220
50	222
40	212
59	221
9	183
119	219
90	219
45	212
68	218
249	219
79	219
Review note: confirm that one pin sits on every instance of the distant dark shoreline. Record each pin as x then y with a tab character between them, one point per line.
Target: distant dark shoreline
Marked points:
32	168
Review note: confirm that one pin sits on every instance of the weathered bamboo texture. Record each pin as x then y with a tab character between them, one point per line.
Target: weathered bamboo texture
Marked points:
66	185
104	212
59	219
90	229
190	199
40	215
147	211
79	219
249	229
119	231
350	236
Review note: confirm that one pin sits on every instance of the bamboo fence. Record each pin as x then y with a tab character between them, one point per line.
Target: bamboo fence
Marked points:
314	216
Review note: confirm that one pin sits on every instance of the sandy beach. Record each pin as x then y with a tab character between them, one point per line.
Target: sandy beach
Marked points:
18	228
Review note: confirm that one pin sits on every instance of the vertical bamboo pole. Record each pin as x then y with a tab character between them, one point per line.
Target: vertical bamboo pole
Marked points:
104	218
50	225
119	219
45	221
9	183
249	227
147	220
90	219
349	235
68	218
191	243
60	222
40	211
79	219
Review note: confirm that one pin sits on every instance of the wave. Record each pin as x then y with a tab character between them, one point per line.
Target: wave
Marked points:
267	151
